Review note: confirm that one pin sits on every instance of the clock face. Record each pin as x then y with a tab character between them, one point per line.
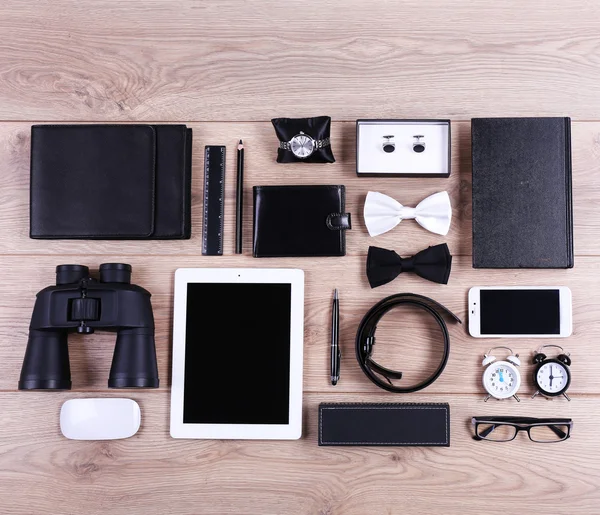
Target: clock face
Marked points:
302	145
501	379
552	378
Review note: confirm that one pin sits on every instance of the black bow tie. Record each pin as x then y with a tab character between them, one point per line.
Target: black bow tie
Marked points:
433	264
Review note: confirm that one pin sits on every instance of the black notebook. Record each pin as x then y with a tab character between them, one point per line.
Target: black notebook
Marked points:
522	205
110	182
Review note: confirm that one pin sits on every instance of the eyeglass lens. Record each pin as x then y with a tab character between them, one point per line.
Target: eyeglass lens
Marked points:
549	433
496	432
500	432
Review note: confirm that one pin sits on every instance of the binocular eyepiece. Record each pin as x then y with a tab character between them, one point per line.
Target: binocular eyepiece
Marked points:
80	303
109	273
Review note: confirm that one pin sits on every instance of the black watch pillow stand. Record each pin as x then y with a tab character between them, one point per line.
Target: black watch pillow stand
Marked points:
318	128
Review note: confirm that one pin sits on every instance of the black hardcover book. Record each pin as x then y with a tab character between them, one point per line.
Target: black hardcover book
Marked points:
522	201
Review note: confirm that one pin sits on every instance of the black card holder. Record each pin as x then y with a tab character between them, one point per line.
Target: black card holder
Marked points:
300	221
413	424
110	182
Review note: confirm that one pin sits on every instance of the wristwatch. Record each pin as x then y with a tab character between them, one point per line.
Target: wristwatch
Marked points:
302	145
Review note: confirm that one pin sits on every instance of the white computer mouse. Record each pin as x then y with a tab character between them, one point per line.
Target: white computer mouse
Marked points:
99	419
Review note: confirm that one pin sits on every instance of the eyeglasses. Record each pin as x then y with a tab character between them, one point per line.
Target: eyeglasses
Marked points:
505	429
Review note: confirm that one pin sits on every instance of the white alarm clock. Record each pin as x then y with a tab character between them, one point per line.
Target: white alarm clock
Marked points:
501	379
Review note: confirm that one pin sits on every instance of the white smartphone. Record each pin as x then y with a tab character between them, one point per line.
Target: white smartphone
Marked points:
520	312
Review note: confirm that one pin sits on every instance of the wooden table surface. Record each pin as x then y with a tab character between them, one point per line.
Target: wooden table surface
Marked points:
225	68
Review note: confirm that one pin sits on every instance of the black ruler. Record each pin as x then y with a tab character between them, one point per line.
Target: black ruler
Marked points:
214	197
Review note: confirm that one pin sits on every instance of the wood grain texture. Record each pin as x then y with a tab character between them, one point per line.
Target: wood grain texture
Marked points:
153	474
236	60
226	68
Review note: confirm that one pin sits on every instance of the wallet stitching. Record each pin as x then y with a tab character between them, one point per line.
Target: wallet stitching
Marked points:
352	407
102	235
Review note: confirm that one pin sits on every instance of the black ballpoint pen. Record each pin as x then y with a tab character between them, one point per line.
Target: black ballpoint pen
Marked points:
336	355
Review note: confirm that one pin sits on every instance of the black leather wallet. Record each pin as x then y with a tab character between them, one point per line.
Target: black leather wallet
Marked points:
110	182
412	424
297	221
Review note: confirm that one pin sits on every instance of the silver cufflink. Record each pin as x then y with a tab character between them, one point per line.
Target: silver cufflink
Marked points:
388	145
418	145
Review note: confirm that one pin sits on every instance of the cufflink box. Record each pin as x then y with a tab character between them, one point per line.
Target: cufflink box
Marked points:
400	137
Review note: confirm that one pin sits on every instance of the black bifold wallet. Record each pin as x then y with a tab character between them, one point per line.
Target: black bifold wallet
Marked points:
110	182
413	424
298	221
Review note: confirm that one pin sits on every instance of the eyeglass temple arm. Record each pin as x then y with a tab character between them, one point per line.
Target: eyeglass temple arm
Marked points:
487	431
557	431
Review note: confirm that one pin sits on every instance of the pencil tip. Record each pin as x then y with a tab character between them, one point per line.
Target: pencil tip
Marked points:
335	294
240	142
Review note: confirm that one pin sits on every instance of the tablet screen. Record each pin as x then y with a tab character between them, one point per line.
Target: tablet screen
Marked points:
237	353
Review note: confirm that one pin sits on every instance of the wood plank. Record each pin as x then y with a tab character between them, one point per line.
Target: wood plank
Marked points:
235	60
154	474
261	168
407	341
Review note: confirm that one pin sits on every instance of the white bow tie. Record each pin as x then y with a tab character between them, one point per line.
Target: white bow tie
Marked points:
383	213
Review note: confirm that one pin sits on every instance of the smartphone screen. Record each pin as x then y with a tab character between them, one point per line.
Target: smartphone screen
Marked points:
520	312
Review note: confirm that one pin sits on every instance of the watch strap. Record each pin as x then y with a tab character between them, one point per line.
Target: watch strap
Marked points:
389	424
319	143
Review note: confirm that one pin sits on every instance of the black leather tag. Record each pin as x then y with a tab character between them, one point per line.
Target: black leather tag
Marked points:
339	221
384	424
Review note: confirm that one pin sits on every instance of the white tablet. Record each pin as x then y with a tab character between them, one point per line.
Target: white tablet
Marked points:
237	353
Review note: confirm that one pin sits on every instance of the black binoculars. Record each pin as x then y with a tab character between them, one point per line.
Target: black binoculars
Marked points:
80	303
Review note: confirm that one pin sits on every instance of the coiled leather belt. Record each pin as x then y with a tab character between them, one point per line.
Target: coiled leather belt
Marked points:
365	340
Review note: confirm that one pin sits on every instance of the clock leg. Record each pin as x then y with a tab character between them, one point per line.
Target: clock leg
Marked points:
486	399
566	396
535	394
516	397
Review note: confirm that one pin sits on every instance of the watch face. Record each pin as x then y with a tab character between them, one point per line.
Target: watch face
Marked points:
501	379
552	378
302	145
